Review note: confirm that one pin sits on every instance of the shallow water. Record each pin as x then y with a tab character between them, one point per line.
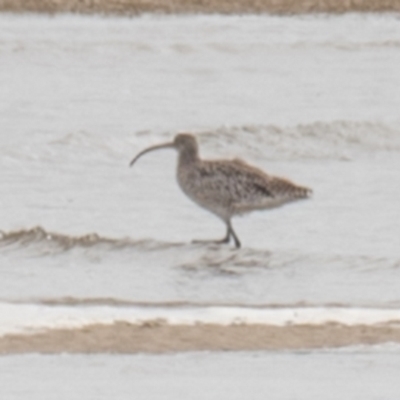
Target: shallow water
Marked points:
357	373
311	98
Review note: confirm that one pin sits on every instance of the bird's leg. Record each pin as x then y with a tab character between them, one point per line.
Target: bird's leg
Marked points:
232	232
225	239
229	232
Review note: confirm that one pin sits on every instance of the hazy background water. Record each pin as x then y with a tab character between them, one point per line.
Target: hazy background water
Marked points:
315	99
311	98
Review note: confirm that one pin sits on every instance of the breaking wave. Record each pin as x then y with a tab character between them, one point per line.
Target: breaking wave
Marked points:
335	140
342	140
63	242
204	258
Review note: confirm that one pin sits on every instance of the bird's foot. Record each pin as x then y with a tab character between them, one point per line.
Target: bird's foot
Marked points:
225	240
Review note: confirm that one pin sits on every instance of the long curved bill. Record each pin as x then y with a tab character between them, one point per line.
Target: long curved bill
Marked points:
152	148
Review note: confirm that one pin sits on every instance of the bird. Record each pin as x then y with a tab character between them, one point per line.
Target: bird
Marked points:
226	188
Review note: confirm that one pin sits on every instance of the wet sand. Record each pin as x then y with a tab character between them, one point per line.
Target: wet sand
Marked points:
135	7
158	337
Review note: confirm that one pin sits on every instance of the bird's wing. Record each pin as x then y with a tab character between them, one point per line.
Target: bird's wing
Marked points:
234	180
249	188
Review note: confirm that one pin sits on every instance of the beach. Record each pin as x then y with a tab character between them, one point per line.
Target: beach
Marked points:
159	338
136	7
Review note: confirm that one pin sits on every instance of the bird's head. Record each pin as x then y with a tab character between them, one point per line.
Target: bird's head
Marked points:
184	143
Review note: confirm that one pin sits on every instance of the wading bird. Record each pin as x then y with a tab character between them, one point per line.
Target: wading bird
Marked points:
227	187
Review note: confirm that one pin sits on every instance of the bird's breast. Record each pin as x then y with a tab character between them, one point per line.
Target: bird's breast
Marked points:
205	190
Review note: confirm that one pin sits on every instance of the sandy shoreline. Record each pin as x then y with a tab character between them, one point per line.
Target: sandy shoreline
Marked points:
135	7
160	338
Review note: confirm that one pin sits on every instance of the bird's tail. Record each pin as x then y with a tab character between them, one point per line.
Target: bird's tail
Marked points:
302	192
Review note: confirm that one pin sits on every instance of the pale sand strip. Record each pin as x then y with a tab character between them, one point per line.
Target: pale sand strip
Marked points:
159	337
133	7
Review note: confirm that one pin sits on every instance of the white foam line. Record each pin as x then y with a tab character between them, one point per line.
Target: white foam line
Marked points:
25	318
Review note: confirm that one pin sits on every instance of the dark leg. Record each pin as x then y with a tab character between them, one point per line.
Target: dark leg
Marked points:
225	239
232	232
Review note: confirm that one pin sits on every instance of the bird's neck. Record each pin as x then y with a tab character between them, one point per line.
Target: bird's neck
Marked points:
188	157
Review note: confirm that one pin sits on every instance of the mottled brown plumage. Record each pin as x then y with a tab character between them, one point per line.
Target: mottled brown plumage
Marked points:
227	187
